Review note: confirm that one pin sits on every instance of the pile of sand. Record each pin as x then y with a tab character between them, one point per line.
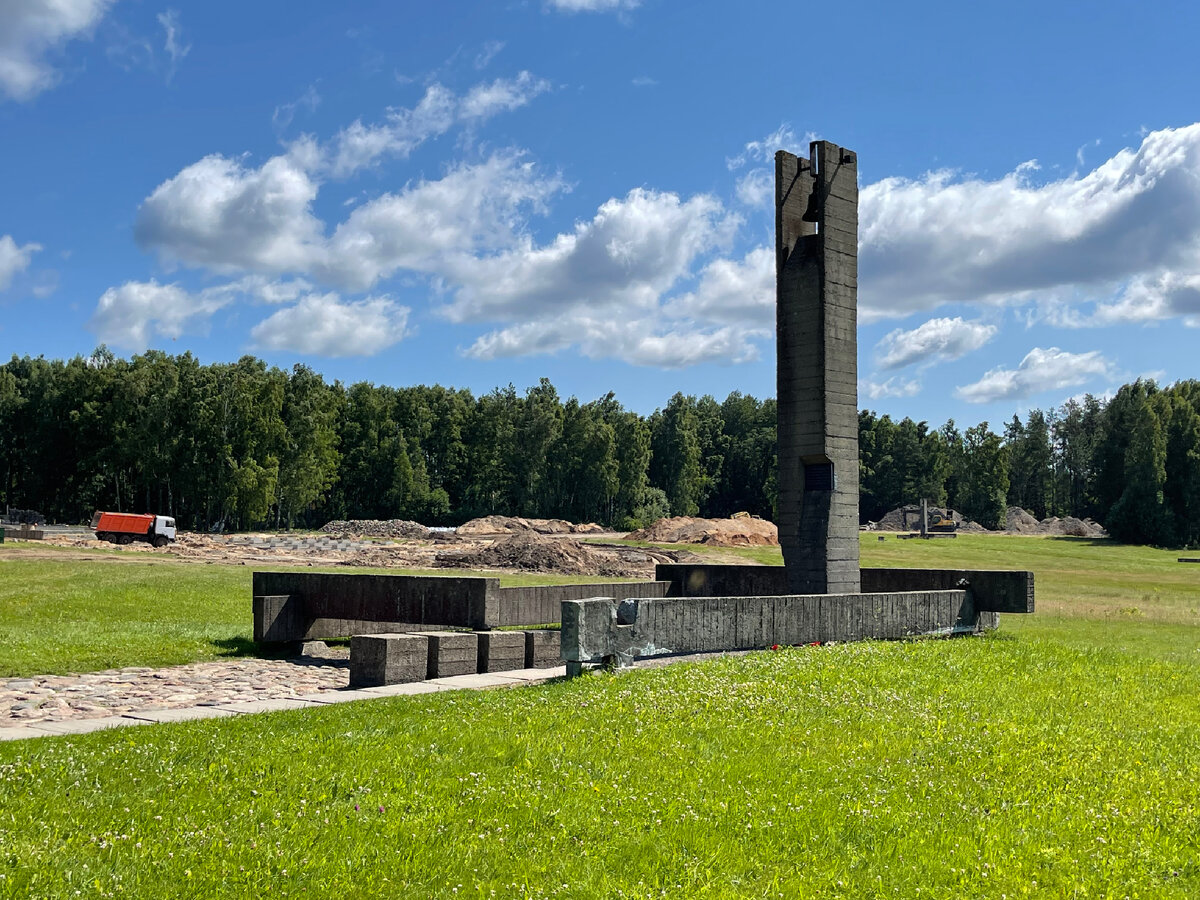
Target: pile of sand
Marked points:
382	528
518	525
743	532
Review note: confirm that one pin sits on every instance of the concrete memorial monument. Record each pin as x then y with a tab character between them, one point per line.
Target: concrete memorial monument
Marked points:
820	594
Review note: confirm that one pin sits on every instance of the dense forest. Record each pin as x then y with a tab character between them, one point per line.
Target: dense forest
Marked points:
238	445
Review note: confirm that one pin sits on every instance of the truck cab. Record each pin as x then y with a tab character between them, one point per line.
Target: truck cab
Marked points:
165	526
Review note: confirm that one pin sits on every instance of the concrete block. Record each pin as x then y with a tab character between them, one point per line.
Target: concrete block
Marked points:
452	653
543	648
377	659
501	651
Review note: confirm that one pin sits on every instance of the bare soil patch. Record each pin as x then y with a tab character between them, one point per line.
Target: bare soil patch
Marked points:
743	532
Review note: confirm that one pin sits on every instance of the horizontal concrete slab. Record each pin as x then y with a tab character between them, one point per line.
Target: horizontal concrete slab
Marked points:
257	706
83	726
473	682
185	714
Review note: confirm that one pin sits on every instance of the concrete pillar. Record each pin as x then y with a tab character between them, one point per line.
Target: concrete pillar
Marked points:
816	243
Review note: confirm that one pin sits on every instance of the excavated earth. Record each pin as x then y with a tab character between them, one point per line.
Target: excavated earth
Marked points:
740	532
375	545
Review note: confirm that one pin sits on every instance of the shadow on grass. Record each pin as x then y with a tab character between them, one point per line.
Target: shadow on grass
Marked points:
242	647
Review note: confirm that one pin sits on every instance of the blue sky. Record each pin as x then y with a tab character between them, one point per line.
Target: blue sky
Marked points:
482	193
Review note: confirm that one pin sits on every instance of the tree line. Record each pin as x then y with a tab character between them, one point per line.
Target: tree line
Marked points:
231	446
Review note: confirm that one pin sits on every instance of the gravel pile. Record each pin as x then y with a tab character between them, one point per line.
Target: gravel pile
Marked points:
382	528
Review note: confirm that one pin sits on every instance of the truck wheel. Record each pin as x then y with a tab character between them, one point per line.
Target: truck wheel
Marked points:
160	541
125	539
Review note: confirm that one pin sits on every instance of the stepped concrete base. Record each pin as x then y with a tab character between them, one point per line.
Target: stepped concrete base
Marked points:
378	660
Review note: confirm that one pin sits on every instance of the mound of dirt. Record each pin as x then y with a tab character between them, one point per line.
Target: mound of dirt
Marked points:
713	532
1018	521
530	552
908	518
1070	526
383	528
517	525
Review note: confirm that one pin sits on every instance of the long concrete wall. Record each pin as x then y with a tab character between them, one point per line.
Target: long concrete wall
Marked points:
993	591
608	629
301	606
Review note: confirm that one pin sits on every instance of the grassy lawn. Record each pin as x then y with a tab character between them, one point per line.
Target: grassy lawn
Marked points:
75	615
1056	758
1001	767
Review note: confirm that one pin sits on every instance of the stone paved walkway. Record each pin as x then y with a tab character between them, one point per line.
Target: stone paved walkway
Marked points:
77	704
60	698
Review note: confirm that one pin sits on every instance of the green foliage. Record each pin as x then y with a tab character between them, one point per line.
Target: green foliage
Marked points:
241	445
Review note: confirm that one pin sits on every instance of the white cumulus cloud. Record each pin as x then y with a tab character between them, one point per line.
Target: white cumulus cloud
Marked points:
14	259
31	31
219	214
1041	370
324	325
436	227
1134	219
933	340
133	314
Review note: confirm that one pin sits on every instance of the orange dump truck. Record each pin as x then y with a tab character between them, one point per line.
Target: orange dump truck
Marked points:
125	528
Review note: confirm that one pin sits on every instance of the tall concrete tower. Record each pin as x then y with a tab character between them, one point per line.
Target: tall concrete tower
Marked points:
816	321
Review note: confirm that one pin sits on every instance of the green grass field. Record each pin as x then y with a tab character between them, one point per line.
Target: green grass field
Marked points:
1056	758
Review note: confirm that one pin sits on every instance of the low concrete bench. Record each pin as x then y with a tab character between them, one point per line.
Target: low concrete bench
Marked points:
379	659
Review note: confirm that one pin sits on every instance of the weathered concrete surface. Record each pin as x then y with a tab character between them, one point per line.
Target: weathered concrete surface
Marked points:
542	604
543	648
291	607
690	580
377	659
816	265
450	653
993	591
605	629
322	605
501	651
